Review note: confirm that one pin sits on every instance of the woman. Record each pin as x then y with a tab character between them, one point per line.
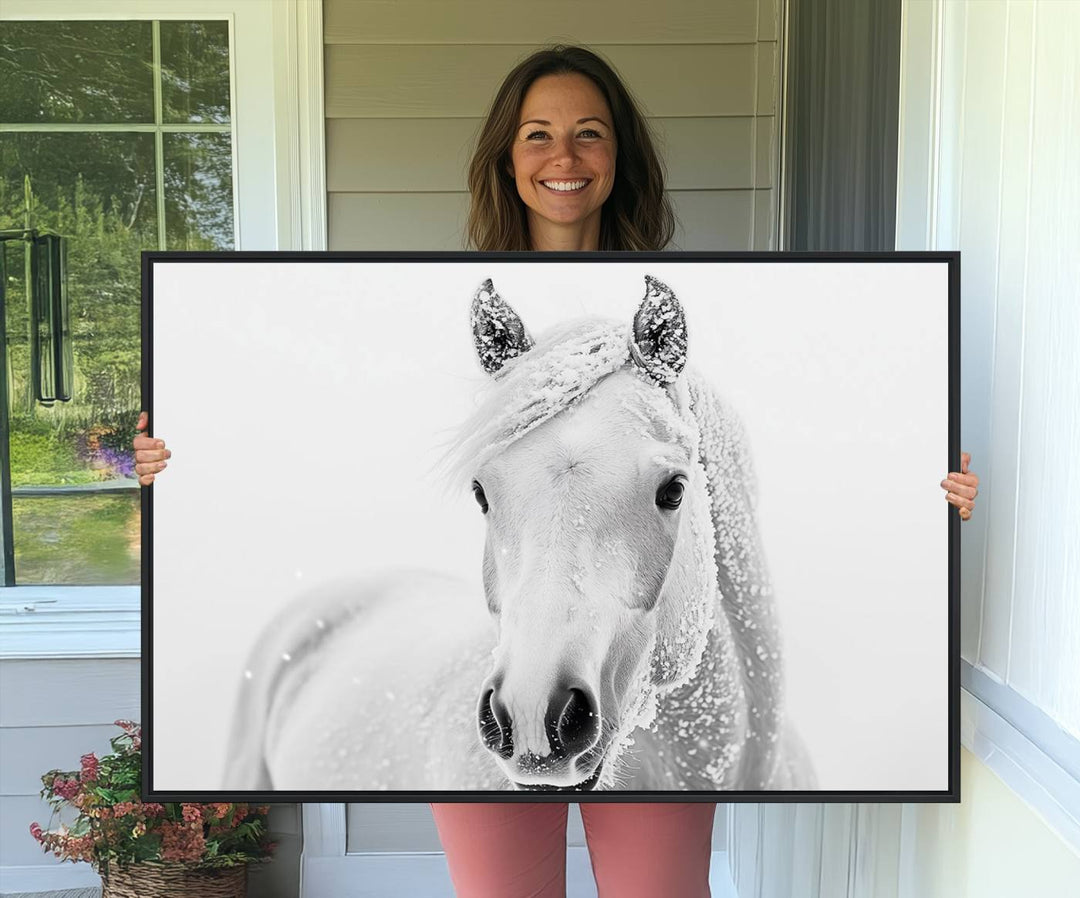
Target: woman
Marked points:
565	162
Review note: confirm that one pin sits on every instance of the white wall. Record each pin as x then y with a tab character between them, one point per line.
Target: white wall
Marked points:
990	137
991	845
998	179
989	143
408	84
53	711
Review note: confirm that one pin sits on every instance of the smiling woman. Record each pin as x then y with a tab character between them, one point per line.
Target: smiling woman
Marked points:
563	161
560	118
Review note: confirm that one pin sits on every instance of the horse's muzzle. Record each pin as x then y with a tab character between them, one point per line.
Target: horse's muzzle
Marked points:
585	786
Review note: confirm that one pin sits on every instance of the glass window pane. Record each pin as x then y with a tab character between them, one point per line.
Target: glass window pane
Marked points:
80	540
198	192
98	190
76	72
195	71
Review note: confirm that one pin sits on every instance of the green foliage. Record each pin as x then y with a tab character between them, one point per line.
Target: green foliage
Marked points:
38	458
87	539
75	71
114	827
99	189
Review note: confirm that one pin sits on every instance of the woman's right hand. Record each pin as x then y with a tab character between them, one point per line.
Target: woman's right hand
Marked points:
150	453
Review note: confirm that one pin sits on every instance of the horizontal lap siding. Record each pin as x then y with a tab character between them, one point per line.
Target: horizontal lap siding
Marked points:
707	219
419	81
27	752
381	155
56	710
51	693
408	84
477	22
53	712
409	81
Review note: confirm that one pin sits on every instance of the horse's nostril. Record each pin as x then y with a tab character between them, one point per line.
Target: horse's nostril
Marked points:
495	728
573	723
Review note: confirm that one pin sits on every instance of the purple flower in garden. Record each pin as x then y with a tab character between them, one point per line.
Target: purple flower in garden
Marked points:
121	462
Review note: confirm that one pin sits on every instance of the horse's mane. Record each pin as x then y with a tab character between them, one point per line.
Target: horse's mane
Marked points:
746	595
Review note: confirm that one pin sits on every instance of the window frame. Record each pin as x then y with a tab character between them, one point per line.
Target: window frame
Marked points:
277	128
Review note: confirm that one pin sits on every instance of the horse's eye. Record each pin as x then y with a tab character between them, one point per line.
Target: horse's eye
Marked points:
671	493
481	499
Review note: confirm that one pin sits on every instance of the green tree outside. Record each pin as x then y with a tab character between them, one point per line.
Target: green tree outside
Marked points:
99	187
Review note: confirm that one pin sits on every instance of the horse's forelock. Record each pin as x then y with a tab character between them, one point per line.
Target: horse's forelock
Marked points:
564	365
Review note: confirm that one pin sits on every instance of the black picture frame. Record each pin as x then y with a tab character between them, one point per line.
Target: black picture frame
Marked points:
232	391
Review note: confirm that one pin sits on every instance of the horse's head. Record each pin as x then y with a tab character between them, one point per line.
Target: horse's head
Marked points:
598	565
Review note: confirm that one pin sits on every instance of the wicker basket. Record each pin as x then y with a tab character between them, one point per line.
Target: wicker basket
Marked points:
146	880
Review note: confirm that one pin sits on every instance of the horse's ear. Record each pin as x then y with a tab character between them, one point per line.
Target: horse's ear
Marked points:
498	332
658	342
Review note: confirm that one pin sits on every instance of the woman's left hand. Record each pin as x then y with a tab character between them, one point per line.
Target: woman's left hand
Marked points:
962	488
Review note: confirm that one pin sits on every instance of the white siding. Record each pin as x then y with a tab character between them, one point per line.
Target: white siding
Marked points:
407	85
52	713
1003	186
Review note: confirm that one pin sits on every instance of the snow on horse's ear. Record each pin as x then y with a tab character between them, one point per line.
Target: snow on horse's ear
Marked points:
658	340
498	332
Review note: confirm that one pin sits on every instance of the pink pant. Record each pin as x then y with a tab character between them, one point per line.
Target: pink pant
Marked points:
519	850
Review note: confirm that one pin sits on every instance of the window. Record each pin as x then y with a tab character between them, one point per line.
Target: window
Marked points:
278	184
118	136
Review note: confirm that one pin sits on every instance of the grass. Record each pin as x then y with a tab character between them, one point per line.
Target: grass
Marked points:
84	540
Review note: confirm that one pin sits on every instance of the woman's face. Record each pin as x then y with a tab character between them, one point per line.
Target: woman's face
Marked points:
563	154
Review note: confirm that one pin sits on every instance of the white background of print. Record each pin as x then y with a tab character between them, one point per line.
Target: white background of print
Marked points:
306	405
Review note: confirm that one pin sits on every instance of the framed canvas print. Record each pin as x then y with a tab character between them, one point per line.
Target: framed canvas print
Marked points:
515	526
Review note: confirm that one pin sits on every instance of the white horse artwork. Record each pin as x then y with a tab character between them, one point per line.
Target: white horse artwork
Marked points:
629	639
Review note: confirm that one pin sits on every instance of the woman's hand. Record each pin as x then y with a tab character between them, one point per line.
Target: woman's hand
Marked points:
150	453
961	489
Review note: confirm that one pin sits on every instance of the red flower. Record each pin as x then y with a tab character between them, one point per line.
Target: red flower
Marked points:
35	831
65	788
123	808
89	768
181	841
192	813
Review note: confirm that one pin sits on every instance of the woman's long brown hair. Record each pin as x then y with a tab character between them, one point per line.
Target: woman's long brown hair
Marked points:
636	216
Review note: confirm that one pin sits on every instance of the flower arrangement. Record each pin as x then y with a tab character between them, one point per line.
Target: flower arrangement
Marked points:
114	827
